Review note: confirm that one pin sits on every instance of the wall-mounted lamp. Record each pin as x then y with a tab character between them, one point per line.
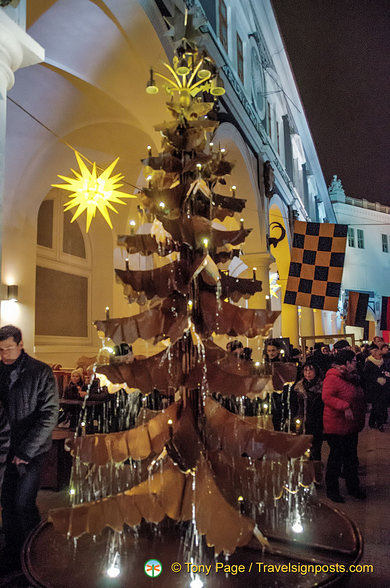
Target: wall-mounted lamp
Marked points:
13	292
9	292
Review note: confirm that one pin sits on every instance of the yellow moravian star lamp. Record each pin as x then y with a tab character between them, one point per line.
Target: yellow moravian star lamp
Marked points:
91	192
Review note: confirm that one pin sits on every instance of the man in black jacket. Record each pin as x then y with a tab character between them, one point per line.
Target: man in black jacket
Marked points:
29	394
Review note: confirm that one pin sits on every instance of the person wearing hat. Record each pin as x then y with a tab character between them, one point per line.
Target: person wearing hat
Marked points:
341	344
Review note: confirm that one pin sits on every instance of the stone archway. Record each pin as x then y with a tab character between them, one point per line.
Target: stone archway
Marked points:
99	106
245	177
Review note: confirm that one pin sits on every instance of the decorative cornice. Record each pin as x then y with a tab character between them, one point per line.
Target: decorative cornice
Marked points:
241	95
238	88
265	56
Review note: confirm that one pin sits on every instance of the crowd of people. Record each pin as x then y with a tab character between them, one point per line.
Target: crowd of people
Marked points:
332	391
333	388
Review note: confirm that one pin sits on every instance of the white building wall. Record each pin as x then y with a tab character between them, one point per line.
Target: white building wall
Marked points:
366	269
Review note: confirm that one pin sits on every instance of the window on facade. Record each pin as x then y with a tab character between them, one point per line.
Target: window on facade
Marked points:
61	307
269	119
360	238
351	237
223	24
62	274
385	244
45	224
277	137
72	239
240	58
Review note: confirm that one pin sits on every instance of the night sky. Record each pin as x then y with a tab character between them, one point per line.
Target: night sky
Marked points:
340	54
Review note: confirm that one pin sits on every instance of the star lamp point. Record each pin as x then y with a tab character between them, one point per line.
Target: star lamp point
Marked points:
90	192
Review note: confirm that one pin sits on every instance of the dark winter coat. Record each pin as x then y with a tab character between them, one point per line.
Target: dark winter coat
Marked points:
341	390
310	404
32	407
372	387
4	442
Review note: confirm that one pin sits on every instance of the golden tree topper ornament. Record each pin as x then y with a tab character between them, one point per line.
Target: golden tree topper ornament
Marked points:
91	192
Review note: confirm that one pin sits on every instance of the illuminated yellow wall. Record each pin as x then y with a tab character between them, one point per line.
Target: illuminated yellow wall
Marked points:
281	254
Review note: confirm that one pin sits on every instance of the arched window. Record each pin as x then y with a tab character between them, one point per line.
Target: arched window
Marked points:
63	271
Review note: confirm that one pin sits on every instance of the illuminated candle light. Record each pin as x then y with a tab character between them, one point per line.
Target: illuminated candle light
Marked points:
234	188
298	425
149	151
254	273
132	224
190	305
107	313
240	501
206	244
127	264
162	205
170	428
241	223
223	150
268	305
199	166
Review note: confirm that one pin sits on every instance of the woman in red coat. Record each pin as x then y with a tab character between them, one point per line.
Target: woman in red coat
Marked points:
344	416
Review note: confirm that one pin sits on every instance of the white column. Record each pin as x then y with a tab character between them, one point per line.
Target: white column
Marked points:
17	49
290	323
318	324
260	261
307	322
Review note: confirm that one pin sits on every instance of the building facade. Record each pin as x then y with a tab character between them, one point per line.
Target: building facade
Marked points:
88	94
367	260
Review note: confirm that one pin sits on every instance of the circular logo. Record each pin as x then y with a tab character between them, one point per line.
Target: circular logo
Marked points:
153	568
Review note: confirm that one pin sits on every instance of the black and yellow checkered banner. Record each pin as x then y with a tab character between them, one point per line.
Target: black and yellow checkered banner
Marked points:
316	268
